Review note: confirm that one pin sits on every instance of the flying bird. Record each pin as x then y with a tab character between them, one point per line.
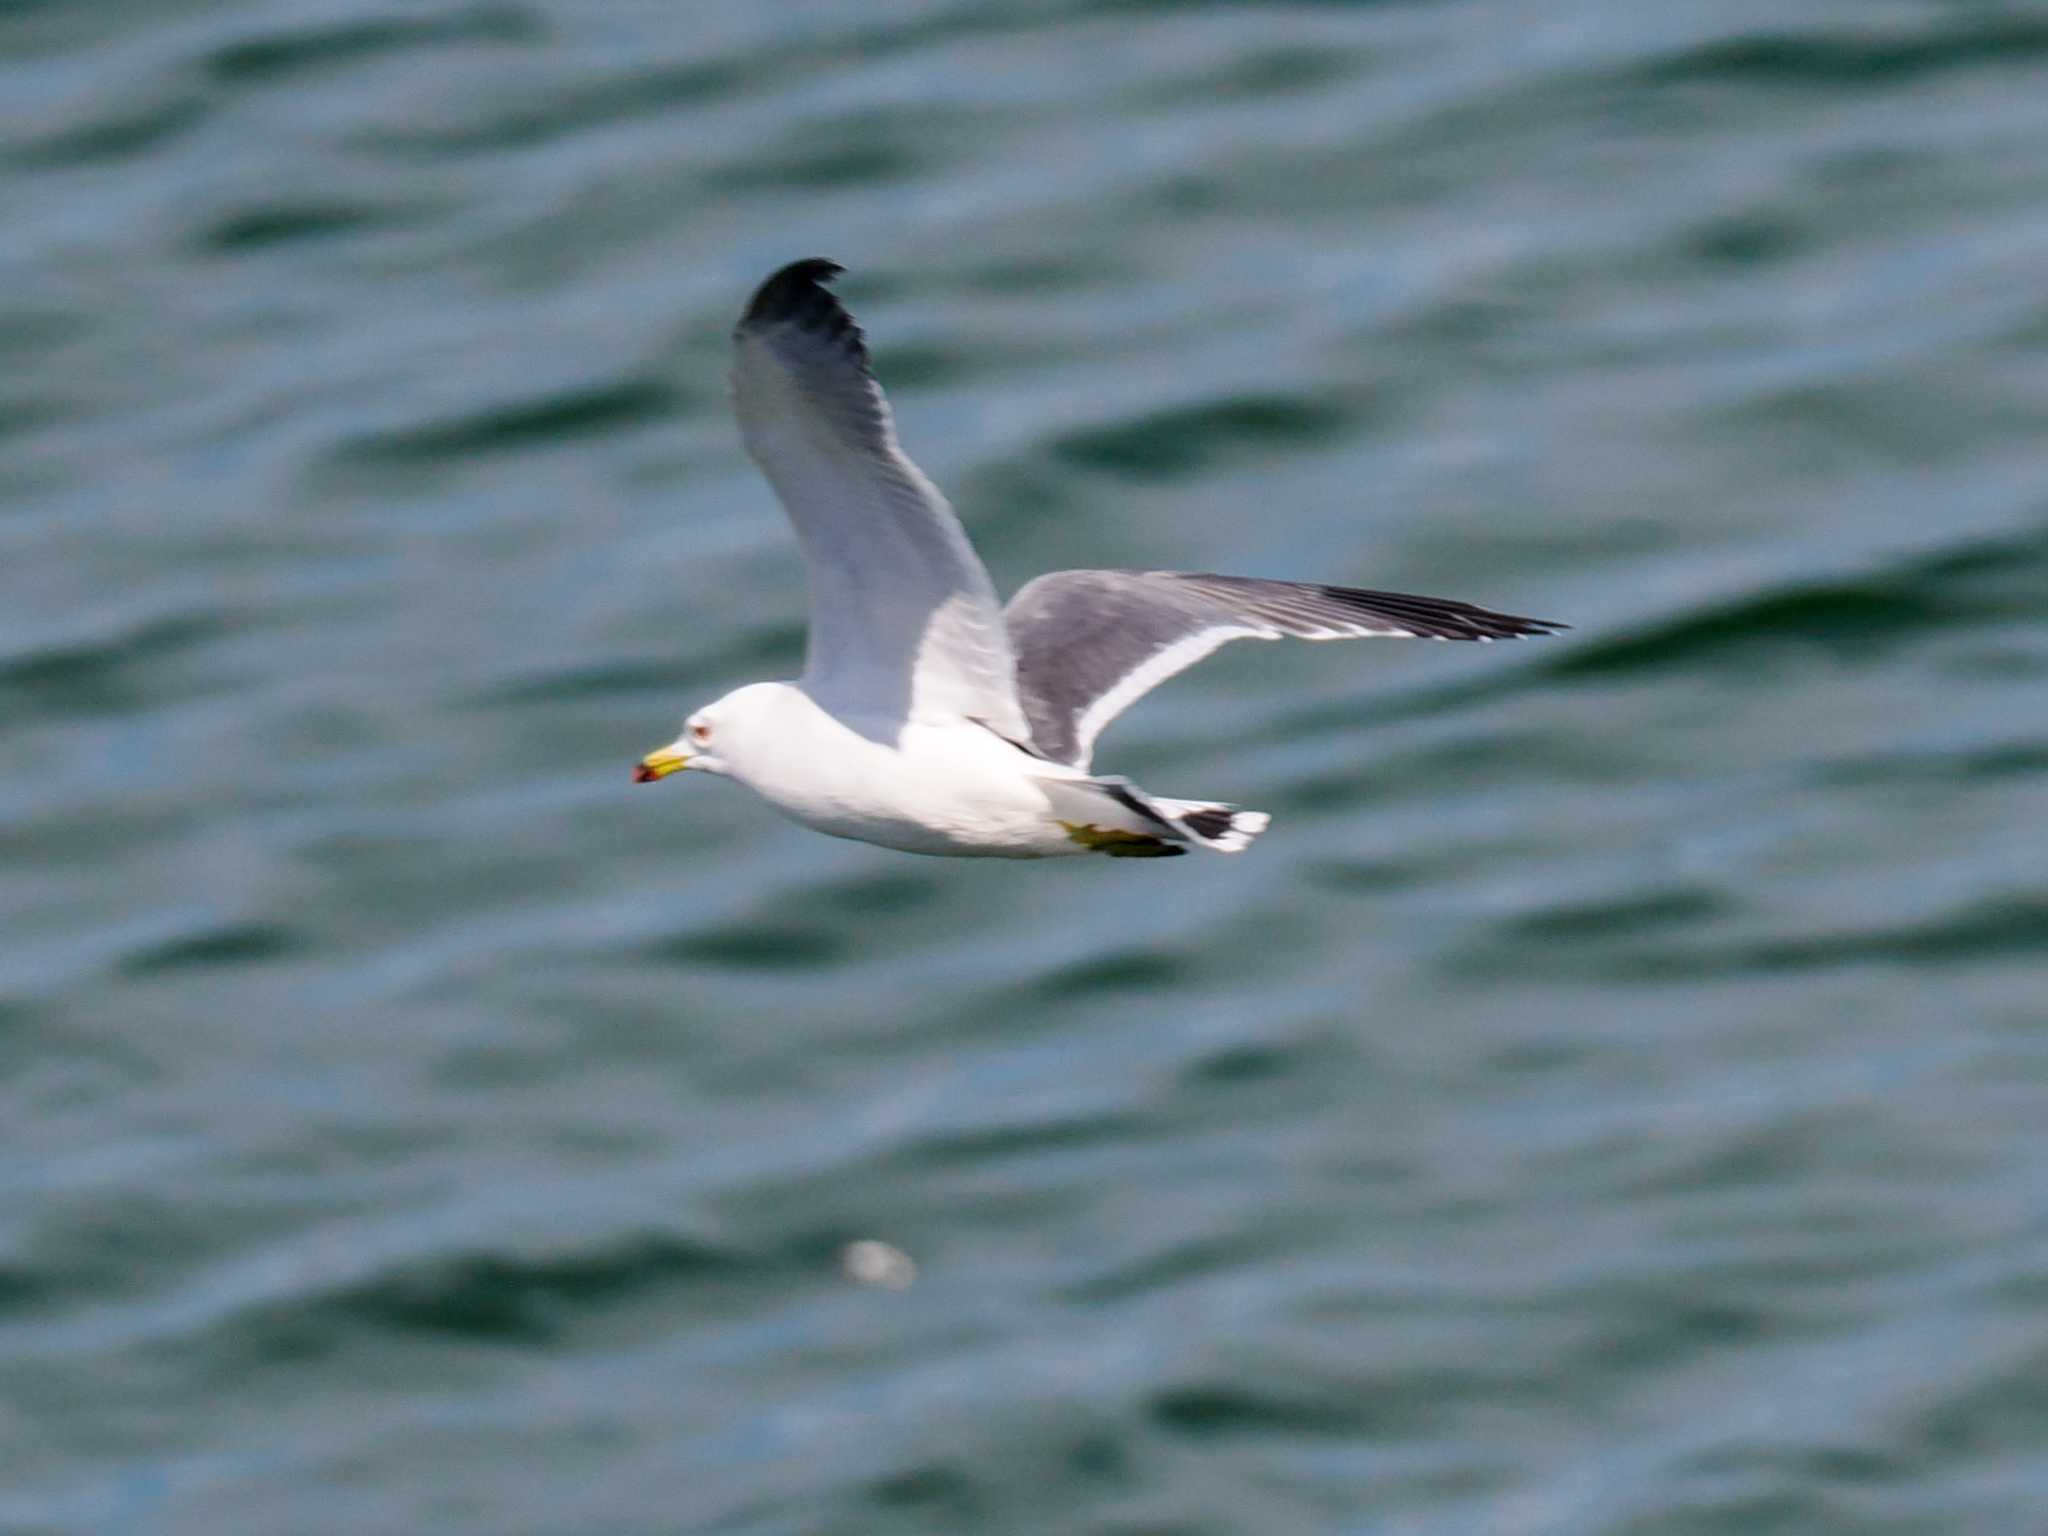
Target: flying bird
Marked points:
929	717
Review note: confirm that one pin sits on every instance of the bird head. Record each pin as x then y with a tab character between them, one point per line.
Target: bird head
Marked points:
719	737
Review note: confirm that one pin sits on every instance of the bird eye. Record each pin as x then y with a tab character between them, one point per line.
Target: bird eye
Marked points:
699	732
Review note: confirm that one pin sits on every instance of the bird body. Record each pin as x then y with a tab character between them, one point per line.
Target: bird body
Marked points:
927	718
927	786
922	787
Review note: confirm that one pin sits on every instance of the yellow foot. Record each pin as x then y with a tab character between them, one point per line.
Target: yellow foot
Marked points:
1119	844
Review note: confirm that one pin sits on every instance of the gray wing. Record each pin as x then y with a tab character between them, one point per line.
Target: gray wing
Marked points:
1089	644
904	621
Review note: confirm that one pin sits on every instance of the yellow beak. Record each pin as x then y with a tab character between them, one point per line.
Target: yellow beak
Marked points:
659	765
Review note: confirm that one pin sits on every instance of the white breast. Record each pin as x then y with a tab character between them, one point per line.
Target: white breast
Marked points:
941	789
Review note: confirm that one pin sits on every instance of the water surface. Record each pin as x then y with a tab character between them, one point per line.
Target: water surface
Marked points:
1609	1100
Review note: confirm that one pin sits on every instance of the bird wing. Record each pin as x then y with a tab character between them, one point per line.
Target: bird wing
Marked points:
1089	644
904	620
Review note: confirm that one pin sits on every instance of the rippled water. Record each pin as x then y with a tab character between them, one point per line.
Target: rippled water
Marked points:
1612	1099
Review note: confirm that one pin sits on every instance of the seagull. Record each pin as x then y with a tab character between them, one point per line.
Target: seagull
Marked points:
929	718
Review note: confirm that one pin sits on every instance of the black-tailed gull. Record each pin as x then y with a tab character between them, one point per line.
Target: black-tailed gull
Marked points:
928	718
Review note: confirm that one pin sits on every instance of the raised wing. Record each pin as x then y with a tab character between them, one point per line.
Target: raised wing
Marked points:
1089	644
904	621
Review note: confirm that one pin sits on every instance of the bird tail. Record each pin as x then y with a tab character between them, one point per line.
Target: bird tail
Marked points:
1219	828
1114	816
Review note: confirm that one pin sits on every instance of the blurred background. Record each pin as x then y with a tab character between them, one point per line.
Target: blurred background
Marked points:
1612	1099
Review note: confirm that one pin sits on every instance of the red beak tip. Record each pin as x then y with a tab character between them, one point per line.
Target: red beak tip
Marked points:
642	774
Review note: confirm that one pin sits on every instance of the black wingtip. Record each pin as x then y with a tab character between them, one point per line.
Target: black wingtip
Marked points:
794	292
1443	618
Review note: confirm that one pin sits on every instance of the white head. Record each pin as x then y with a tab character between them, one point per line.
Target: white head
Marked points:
719	738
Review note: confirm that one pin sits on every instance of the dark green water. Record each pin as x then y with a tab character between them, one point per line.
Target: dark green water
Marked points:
1612	1099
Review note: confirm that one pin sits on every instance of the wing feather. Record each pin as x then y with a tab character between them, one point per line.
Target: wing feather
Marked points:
904	620
1089	644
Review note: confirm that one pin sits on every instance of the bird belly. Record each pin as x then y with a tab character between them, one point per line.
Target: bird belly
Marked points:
954	791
